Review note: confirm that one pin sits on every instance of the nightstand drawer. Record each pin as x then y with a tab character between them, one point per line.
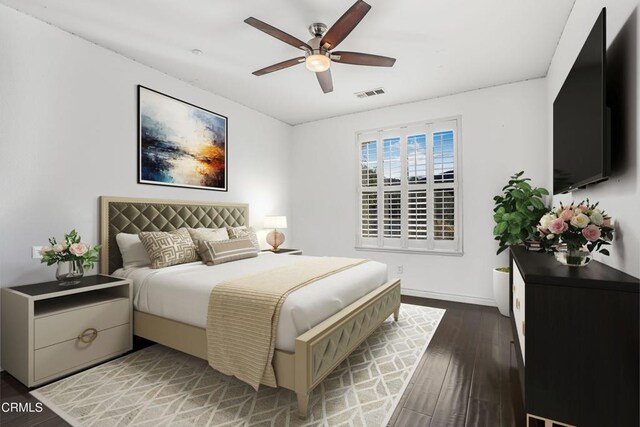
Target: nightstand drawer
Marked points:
73	354
67	325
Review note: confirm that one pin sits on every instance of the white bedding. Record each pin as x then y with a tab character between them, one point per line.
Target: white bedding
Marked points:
182	292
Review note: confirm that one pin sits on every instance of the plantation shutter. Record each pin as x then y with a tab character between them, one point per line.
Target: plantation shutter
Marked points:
408	188
445	185
369	189
418	228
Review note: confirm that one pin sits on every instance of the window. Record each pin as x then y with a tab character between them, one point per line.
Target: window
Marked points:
408	188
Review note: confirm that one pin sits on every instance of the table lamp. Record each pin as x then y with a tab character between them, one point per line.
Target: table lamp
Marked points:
275	238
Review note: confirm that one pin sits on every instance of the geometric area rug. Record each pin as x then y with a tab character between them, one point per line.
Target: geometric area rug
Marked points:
158	386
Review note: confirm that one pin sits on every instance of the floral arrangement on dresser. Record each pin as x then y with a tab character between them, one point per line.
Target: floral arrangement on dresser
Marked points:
71	254
574	231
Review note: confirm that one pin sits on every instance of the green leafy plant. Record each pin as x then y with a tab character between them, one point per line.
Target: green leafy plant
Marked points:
71	248
517	211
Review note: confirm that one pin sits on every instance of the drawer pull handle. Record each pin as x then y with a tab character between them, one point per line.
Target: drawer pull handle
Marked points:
517	303
88	335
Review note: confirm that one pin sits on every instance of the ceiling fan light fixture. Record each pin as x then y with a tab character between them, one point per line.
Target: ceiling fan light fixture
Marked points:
317	63
318	52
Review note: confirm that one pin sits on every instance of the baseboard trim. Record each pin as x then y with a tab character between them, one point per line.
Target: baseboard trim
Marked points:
448	297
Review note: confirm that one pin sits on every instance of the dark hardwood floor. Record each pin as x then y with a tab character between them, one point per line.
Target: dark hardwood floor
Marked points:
467	377
14	392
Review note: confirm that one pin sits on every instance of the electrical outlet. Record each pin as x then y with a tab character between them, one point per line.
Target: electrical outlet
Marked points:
35	252
400	269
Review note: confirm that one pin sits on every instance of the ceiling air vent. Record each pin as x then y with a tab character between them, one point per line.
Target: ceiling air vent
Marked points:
372	92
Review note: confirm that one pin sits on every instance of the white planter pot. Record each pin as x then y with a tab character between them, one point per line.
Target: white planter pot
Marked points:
501	291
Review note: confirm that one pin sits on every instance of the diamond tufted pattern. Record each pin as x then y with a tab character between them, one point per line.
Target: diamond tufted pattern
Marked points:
134	217
333	348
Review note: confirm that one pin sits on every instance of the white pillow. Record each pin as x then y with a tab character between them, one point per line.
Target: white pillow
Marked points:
216	234
133	252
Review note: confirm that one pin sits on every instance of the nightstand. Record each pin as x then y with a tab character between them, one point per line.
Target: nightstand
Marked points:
49	330
283	251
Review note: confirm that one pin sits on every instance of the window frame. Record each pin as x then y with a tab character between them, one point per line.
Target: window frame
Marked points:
404	244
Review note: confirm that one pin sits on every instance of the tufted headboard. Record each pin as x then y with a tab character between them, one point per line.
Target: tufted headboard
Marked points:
130	215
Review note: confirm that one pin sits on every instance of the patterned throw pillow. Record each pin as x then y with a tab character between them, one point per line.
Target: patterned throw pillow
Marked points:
216	234
217	252
169	248
244	233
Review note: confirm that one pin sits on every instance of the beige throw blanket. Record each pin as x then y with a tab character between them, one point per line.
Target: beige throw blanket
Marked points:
243	316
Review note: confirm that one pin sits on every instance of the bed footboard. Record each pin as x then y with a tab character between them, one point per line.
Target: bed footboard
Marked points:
320	350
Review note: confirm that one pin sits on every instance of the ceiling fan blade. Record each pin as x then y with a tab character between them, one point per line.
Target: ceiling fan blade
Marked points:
279	34
325	80
357	58
279	66
343	26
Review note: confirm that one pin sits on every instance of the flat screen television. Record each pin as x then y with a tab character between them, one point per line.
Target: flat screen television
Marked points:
581	142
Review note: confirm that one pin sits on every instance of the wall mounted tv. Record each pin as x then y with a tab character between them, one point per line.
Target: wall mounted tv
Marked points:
581	119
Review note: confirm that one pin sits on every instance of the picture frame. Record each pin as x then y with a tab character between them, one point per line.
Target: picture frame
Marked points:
180	144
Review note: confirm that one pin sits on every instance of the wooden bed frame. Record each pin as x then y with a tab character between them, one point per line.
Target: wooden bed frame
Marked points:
317	352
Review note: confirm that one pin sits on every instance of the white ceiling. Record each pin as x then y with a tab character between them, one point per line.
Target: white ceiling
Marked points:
442	46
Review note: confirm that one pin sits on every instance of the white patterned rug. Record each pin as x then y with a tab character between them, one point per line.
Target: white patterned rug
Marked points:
158	386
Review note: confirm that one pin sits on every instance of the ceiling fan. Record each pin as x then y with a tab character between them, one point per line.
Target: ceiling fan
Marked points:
318	52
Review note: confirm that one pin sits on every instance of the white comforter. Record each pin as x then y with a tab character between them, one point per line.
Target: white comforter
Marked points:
182	292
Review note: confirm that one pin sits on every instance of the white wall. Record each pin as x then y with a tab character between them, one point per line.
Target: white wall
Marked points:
504	130
620	195
68	134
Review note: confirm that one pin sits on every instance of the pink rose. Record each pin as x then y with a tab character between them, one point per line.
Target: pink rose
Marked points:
591	233
558	226
566	215
78	249
606	222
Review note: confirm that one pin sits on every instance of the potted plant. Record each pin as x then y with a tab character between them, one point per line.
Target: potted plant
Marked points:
516	214
501	289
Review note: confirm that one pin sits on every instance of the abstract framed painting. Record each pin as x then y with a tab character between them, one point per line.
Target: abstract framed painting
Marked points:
180	144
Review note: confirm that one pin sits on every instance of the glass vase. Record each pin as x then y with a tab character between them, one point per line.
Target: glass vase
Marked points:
574	257
69	272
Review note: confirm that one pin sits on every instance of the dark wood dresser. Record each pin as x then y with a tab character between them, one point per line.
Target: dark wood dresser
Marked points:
576	338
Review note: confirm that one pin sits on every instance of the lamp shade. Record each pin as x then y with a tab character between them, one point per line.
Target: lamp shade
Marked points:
275	222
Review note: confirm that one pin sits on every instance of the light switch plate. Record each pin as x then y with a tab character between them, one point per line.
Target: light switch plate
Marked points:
35	252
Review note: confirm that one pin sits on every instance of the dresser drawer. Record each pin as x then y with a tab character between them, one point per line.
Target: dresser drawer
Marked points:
67	325
72	354
518	307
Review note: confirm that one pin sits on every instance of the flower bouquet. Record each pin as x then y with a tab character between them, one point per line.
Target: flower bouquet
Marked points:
574	231
72	256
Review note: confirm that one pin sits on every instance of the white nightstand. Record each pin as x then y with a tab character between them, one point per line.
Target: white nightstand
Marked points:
284	251
49	330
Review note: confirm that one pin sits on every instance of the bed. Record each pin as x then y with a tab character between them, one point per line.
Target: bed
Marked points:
301	361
